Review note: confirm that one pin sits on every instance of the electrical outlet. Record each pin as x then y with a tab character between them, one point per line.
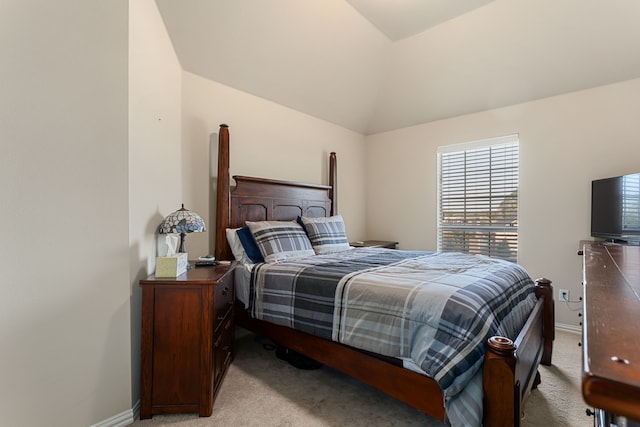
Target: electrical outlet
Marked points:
564	295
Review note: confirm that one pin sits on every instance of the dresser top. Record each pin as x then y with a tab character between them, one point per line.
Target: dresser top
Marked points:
611	364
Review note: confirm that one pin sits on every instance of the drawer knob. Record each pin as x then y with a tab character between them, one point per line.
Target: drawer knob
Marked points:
225	291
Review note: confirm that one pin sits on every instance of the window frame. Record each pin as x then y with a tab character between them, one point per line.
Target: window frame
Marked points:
489	247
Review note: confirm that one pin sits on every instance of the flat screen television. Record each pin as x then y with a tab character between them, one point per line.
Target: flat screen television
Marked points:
615	208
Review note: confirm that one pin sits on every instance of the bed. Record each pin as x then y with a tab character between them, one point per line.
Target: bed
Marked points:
508	366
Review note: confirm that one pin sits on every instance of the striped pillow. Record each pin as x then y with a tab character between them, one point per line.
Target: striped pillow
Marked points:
327	235
280	240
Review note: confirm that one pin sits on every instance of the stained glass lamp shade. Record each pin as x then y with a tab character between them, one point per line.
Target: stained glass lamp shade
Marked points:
182	221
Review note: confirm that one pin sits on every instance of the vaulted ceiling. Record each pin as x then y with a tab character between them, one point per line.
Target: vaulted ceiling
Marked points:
378	65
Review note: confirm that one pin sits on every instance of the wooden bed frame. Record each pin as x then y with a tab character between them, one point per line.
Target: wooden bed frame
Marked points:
510	367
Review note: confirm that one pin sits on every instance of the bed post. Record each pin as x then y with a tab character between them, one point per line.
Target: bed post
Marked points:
333	182
544	289
222	195
502	393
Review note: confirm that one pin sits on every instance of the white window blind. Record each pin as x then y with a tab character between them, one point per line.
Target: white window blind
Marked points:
478	198
631	202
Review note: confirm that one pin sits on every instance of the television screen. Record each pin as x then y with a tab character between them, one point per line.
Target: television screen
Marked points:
615	208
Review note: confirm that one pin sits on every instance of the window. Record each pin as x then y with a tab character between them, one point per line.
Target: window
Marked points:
478	197
631	203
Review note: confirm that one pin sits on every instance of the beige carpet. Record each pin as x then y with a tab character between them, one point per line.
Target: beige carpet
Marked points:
261	390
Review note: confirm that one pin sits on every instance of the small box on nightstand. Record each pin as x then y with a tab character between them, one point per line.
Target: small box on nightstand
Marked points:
171	266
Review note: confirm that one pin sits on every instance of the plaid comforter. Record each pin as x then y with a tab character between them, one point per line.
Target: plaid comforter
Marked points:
436	309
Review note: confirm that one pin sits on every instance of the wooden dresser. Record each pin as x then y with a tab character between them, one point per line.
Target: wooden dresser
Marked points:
187	340
611	331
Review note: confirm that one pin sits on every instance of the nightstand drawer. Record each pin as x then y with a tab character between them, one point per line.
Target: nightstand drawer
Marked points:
222	301
222	352
374	244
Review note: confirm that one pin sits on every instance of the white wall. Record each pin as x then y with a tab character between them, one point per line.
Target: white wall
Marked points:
85	203
155	187
64	312
565	142
266	140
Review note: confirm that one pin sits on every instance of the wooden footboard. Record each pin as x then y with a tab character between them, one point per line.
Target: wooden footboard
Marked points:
511	367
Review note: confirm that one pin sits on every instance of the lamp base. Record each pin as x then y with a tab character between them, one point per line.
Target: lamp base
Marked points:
183	237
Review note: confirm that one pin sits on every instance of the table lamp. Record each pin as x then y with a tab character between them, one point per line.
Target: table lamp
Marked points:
182	221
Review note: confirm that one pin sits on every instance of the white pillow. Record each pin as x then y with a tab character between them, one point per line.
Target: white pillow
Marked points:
236	246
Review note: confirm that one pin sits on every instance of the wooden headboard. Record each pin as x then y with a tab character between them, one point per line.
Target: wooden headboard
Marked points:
260	199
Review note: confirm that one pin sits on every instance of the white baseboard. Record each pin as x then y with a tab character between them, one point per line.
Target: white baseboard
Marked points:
122	419
136	410
569	328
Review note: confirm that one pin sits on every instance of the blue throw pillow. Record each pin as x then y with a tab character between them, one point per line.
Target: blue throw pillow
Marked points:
249	244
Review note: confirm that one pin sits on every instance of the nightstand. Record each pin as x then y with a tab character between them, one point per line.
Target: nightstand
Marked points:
187	340
374	243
